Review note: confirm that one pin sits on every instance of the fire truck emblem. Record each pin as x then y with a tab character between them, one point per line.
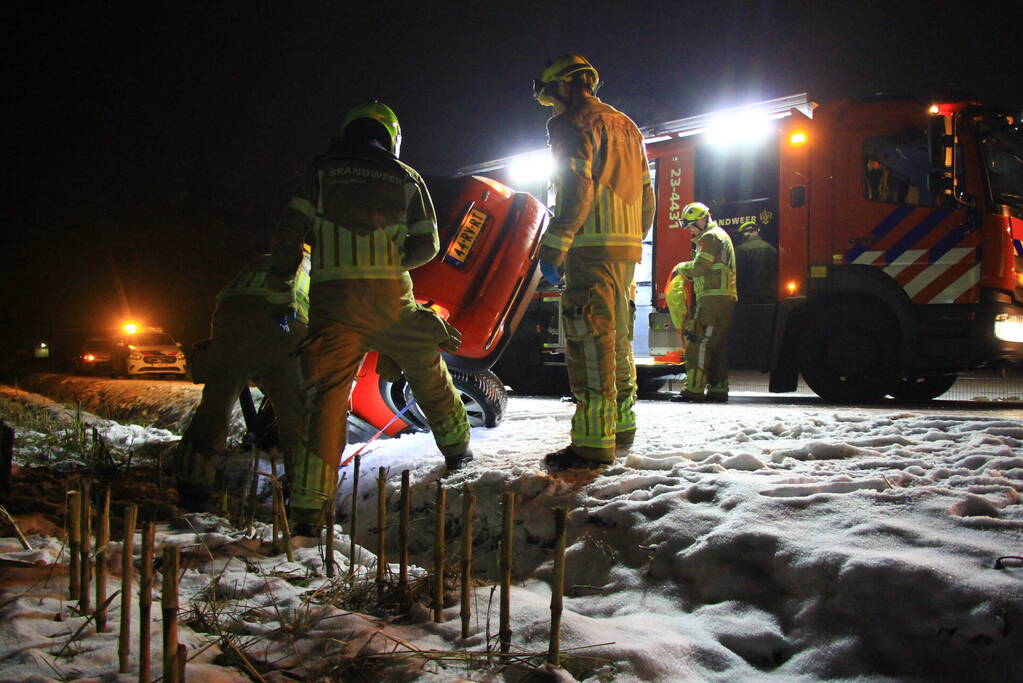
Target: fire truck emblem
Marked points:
766	216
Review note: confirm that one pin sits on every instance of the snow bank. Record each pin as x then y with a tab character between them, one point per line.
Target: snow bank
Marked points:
734	542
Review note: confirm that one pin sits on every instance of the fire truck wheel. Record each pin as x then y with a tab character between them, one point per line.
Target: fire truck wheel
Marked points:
482	393
923	388
849	354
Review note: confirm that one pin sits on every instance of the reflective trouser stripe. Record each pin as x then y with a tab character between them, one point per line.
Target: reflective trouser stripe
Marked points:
597	320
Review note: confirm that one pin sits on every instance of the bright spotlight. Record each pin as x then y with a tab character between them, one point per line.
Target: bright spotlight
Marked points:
737	129
531	168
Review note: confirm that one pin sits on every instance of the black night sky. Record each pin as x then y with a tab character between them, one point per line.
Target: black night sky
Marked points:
152	146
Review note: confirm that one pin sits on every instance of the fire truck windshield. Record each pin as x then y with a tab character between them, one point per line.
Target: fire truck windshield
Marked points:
1002	146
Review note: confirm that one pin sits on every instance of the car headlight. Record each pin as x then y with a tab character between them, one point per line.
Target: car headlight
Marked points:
1009	327
135	356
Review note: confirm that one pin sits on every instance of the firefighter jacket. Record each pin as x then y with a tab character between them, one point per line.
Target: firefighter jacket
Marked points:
367	216
712	269
757	264
252	282
605	203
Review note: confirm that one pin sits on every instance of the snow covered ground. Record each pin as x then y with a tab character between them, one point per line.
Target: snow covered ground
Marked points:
747	541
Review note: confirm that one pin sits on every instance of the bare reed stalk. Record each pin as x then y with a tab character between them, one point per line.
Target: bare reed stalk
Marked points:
145	601
102	555
250	509
504	631
381	526
181	660
74	546
438	555
285	529
557	587
85	552
169	609
355	513
275	547
403	524
127	550
14	525
159	471
328	552
468	506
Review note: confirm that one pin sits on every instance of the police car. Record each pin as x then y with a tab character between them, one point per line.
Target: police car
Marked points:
140	351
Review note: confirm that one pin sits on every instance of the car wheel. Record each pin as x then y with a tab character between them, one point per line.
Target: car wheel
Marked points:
923	388
482	393
850	354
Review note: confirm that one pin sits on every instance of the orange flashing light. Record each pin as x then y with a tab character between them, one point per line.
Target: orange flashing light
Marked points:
792	287
130	328
798	138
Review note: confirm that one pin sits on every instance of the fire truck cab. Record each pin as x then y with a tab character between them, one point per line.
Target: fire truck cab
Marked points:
897	225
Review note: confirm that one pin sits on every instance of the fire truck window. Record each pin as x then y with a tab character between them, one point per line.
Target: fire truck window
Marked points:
895	168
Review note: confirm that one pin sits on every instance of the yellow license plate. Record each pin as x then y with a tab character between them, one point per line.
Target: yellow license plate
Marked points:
468	232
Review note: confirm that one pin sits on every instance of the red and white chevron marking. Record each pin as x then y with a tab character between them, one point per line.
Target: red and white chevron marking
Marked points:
953	279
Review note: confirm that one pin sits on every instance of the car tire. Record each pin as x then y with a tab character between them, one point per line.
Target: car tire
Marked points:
923	388
483	394
850	353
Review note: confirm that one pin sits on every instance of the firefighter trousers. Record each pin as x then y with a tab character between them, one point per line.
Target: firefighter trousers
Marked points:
246	346
347	321
707	353
598	319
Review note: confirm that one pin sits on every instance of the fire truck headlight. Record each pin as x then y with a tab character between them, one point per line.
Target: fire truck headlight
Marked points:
1009	327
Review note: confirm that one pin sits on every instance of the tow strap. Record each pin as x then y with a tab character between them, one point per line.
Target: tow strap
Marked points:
373	438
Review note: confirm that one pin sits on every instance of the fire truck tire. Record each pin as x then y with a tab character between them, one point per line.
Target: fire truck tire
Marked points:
849	354
482	393
923	388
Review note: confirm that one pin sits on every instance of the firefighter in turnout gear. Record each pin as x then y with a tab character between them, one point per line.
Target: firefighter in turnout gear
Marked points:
245	346
712	271
604	209
370	220
756	262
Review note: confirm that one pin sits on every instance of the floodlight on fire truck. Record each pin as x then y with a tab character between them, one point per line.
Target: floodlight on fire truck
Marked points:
741	128
530	168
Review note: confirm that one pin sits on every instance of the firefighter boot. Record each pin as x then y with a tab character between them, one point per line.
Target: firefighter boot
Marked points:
691	397
457	462
624	441
569	459
196	475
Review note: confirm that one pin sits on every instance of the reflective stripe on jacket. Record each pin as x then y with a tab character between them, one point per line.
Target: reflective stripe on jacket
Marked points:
367	216
605	201
253	281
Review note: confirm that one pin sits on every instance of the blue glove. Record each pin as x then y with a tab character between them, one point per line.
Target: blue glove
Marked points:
550	273
282	321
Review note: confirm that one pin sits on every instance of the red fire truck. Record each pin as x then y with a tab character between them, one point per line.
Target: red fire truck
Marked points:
898	228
